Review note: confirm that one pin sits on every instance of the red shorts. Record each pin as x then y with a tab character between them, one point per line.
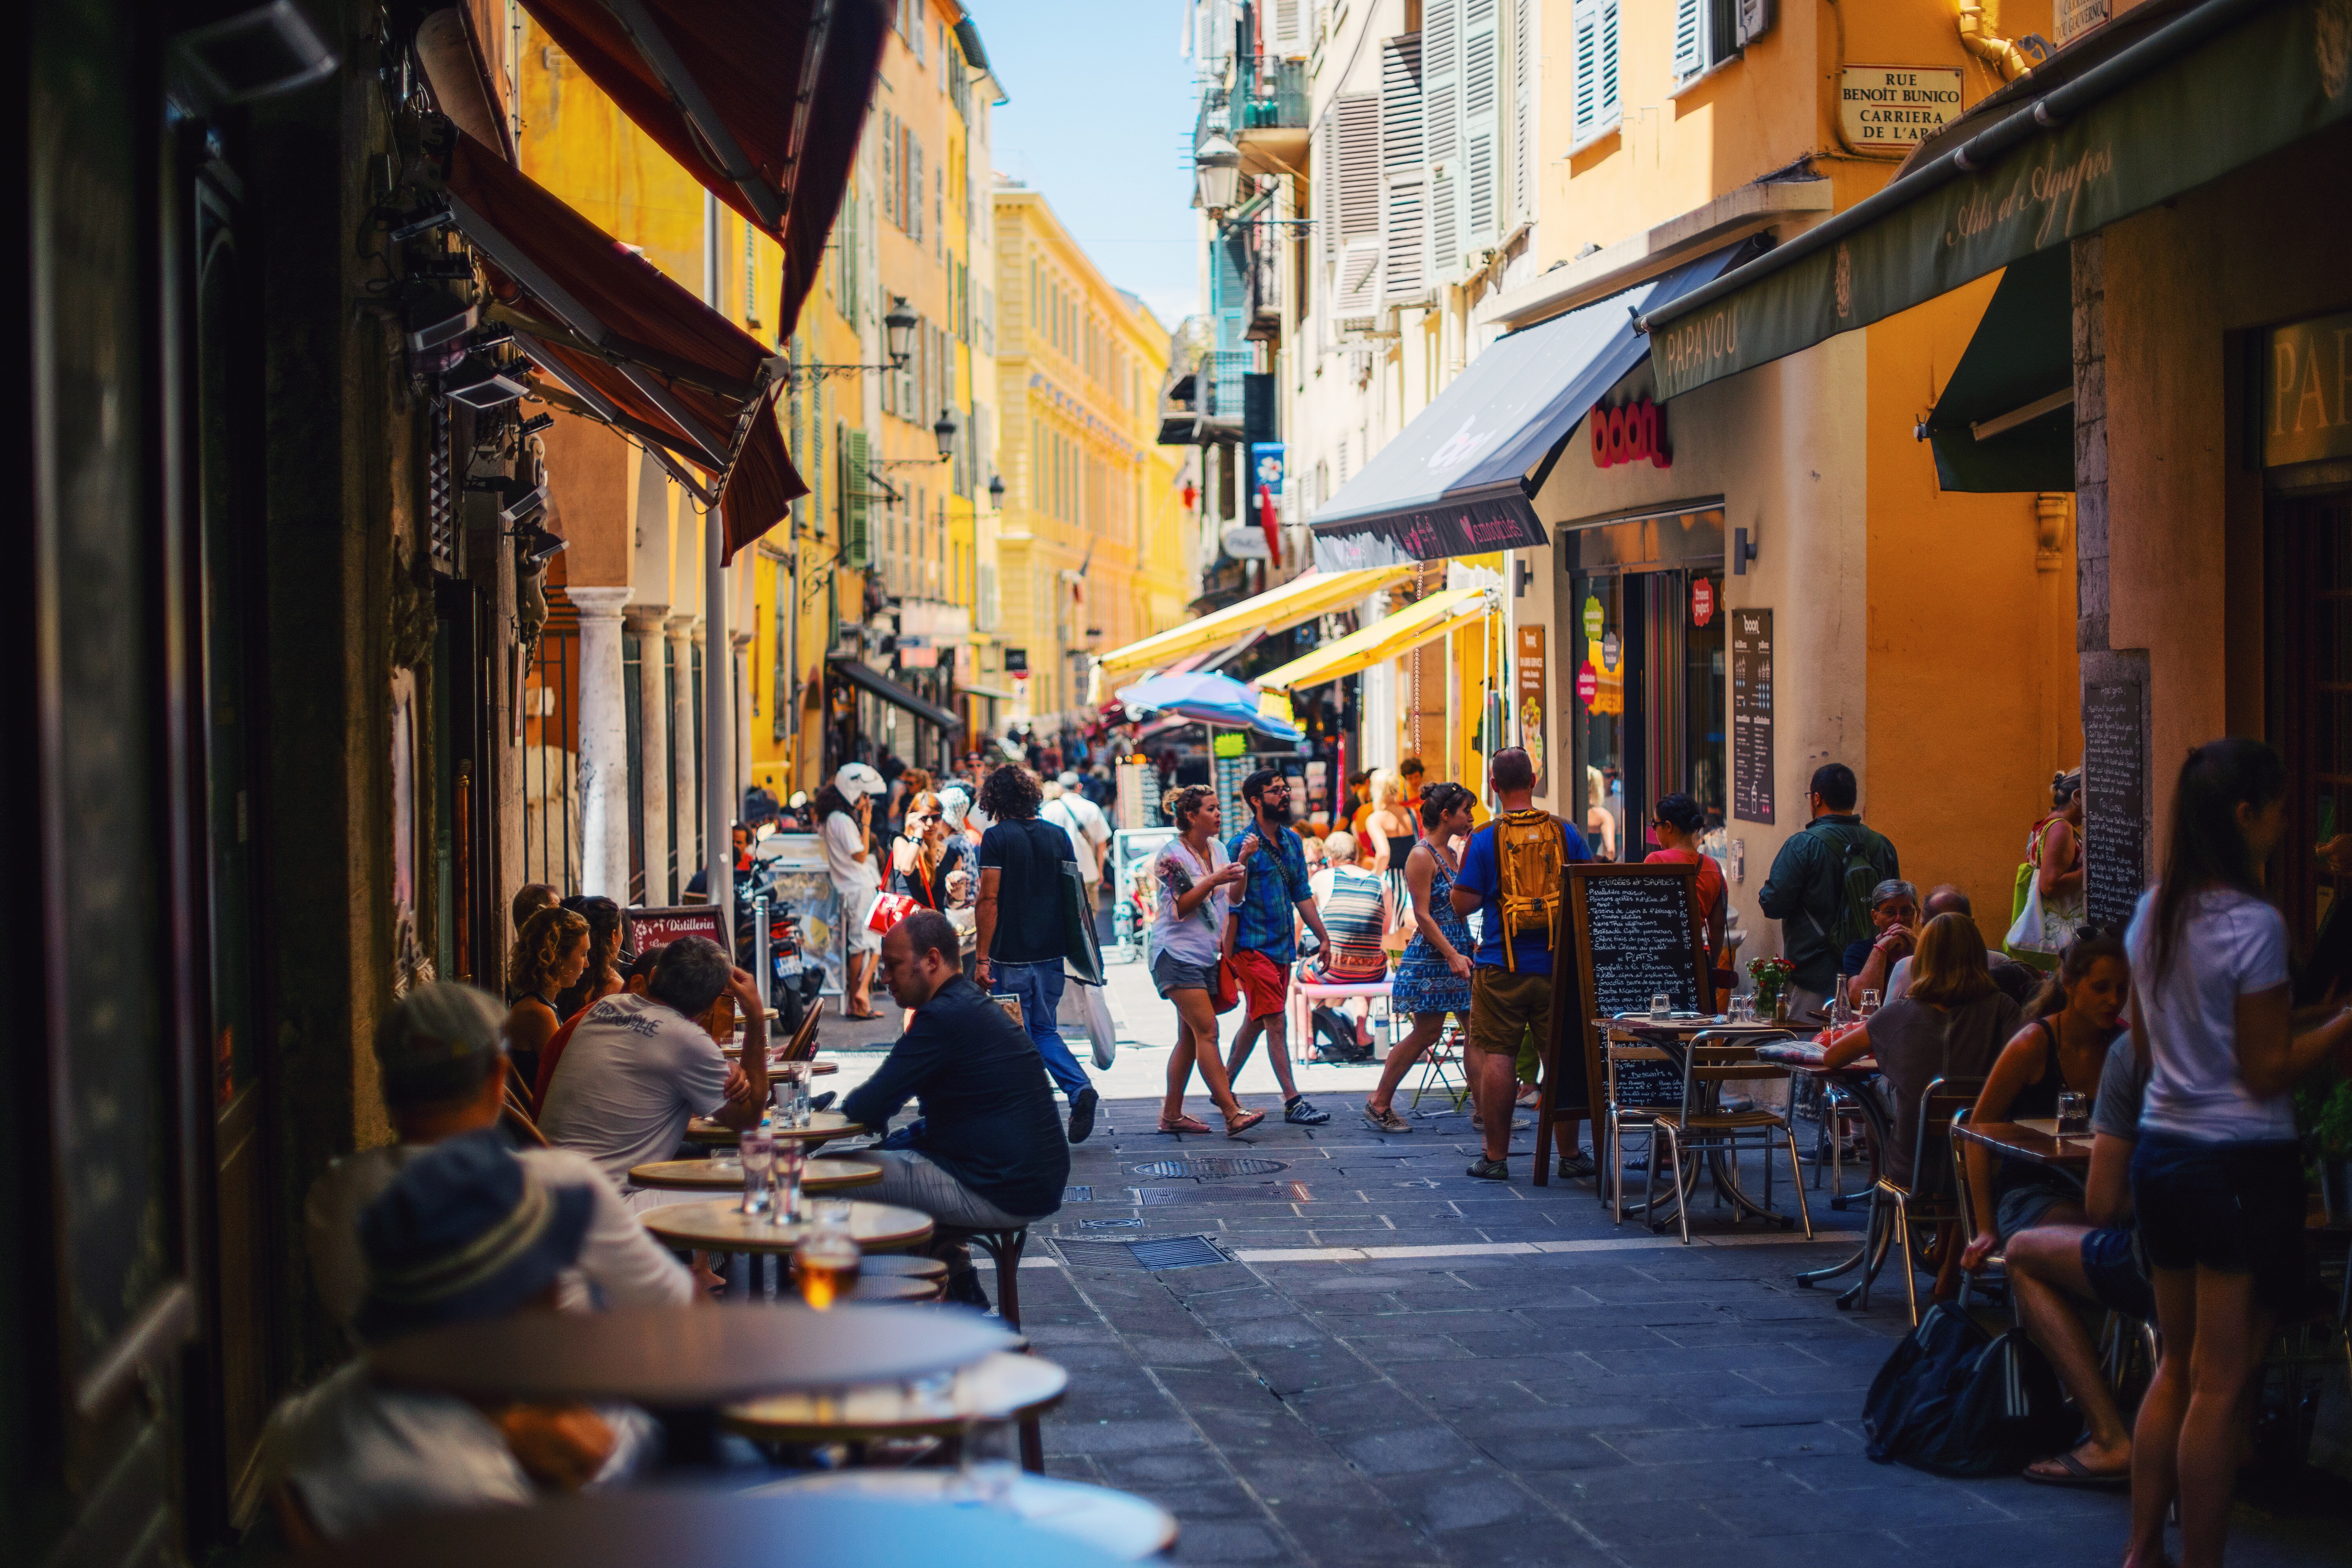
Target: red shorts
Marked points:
1265	985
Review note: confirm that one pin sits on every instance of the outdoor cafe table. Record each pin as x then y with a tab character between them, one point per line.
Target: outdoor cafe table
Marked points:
1854	1079
724	1176
631	1527
823	1127
1128	1527
998	1387
2036	1141
1672	1035
721	1225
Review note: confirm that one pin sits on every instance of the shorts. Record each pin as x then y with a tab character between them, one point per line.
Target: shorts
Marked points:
2118	1279
2233	1208
1503	1006
1170	972
2025	1203
857	906
1265	985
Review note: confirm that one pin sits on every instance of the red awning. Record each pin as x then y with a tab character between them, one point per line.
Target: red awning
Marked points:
628	345
761	100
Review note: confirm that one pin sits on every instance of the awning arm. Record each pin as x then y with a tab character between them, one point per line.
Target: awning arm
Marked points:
589	404
1986	429
812	67
726	154
617	351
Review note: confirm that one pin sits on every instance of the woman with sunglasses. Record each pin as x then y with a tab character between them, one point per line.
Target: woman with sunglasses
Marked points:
929	861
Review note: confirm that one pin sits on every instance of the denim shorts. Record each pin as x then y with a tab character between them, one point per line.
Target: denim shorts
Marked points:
2233	1208
2118	1279
1170	972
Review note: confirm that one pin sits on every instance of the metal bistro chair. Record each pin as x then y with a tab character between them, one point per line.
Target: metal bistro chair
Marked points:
1444	1052
1701	1127
1929	1199
1995	1272
1618	1117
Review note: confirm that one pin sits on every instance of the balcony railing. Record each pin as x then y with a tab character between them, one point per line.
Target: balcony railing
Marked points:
1269	93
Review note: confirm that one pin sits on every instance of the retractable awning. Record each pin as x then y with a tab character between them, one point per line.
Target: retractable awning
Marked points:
2167	97
628	346
2006	420
896	695
1384	639
762	101
1301	599
1456	481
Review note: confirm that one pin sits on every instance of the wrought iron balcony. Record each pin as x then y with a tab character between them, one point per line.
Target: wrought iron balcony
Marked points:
1269	94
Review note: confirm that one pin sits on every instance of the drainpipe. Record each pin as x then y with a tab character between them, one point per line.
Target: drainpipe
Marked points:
1980	34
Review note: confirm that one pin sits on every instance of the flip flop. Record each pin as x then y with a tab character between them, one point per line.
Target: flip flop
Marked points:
1184	1124
863	1017
2078	1474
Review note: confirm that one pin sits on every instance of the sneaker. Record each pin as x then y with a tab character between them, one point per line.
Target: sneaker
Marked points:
1491	1170
1301	1113
1082	1115
964	1290
1576	1167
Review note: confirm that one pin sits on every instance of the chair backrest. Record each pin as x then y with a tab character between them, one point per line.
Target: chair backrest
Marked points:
1647	1098
1715	1057
1944	1100
802	1045
1966	1194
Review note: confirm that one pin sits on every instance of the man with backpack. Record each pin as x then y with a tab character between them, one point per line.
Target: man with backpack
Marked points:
1821	887
1515	869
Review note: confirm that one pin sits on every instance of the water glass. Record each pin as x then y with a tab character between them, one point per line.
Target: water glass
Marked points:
2073	1112
757	1151
1662	1007
788	1093
990	1466
1869	1003
792	1162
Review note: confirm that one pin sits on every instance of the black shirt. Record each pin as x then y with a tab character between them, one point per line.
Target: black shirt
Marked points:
988	1112
1028	889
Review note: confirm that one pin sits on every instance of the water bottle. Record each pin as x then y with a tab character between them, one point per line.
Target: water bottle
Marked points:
1380	1037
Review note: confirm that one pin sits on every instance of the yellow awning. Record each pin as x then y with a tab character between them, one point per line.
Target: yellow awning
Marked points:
1277	609
1384	639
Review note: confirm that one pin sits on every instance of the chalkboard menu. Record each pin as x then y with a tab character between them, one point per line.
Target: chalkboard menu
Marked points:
1751	715
2115	801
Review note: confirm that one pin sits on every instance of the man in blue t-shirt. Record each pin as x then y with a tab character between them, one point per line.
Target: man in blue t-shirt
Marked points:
1274	898
1509	998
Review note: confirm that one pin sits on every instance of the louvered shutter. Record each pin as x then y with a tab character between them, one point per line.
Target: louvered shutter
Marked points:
1481	126
1286	24
1522	206
1441	129
1596	107
1404	171
853	499
1326	176
1358	117
1690	38
1755	20
890	166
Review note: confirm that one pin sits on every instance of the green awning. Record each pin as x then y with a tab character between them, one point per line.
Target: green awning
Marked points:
2006	420
2222	84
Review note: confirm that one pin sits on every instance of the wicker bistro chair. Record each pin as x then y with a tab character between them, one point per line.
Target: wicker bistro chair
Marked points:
1618	1117
1930	1199
1699	1126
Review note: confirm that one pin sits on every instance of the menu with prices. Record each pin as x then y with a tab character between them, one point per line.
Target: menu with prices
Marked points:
2115	801
1751	715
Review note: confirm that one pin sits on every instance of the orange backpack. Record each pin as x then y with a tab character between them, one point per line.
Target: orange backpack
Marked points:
1530	857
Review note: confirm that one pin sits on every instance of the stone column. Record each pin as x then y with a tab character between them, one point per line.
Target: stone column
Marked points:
686	777
645	624
603	724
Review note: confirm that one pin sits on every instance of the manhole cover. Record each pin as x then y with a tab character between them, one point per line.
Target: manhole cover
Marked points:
1108	1224
1077	1195
1209	1166
1141	1197
1162	1252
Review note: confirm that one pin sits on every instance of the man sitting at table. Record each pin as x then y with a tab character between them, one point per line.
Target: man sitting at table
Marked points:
640	1067
989	1154
465	1233
443	1069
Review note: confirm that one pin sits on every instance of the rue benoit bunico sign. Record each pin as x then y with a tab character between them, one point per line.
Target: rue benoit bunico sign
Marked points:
1889	110
1628	433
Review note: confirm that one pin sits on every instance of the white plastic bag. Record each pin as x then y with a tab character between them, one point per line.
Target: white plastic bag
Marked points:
2026	934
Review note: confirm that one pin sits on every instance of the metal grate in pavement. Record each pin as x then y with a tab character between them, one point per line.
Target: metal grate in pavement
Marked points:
1159	1253
1077	1195
1209	1165
1109	1223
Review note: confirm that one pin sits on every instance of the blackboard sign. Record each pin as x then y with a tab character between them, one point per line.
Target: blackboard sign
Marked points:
1751	715
1634	931
2115	801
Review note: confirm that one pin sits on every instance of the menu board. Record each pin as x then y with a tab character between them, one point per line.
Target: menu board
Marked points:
2115	801
1751	715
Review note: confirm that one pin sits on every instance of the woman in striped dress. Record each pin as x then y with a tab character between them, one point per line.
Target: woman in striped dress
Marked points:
1433	978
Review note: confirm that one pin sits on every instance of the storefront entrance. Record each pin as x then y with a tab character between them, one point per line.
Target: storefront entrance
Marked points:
2310	684
1644	630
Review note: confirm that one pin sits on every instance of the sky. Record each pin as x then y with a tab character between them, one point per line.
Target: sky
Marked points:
1100	120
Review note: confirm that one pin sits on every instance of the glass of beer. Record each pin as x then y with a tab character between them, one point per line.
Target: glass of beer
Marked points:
824	1264
757	1151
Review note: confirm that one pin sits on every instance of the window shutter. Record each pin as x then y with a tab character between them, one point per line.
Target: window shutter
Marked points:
915	185
1405	167
854	502
1441	123
1596	107
1286	24
1326	176
1690	38
1358	116
890	166
1523	109
1755	20
1481	124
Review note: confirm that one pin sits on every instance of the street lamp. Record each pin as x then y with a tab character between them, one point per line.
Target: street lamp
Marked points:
945	433
1217	173
898	331
996	492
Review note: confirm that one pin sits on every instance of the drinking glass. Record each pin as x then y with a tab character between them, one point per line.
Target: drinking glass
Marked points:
1662	1007
792	1161
757	1151
2073	1112
1869	1003
790	1094
990	1466
824	1264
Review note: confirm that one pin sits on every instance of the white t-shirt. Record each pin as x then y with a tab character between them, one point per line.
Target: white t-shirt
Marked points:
843	839
634	1074
2232	944
1082	819
1194	938
620	1263
359	1454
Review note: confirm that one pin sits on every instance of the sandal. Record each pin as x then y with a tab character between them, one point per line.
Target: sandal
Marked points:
2076	1473
1184	1124
1385	1120
1236	1126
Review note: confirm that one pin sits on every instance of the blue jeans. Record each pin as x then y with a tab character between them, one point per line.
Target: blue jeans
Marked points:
1039	987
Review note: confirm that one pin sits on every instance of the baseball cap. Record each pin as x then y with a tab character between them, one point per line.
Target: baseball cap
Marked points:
437	1042
1069	779
465	1233
855	779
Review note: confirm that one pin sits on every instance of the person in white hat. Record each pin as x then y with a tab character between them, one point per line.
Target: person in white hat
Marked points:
844	812
1088	829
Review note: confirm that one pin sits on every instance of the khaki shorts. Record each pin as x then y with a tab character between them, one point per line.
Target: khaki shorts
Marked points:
1503	1006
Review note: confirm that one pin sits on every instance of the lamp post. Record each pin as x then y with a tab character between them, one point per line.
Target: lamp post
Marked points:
945	433
1216	172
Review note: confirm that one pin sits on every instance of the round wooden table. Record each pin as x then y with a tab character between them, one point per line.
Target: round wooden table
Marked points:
820	1068
1116	1524
724	1176
721	1225
686	1357
823	1127
628	1528
998	1387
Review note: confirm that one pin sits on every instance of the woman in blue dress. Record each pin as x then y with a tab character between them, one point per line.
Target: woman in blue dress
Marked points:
1433	977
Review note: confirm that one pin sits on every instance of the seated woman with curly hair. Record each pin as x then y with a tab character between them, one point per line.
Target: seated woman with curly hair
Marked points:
549	955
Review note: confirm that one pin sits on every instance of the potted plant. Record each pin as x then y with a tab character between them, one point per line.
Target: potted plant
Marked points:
2323	1111
1772	976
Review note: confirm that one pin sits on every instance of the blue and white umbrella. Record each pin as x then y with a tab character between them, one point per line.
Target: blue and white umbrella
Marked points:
1207	699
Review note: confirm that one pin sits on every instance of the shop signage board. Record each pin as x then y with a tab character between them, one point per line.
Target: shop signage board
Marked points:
1229	751
1592	617
653	928
1633	933
1532	702
2308	401
1751	715
2072	18
2115	801
1886	111
1702	601
1588	683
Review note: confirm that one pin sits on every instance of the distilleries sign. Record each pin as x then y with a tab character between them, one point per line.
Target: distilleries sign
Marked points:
2115	801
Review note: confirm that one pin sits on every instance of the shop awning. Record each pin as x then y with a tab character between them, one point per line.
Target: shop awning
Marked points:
993	693
1457	479
897	696
628	346
2006	420
1300	599
2164	99
762	101
1384	639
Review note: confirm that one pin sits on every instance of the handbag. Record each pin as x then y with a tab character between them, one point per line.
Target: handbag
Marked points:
1226	995
2025	931
1081	951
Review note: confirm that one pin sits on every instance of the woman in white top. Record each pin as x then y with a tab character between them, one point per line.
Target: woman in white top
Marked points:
1196	886
2217	1178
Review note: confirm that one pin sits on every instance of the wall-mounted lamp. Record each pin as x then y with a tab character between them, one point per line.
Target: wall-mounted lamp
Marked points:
996	492
1743	550
1216	172
945	432
898	331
